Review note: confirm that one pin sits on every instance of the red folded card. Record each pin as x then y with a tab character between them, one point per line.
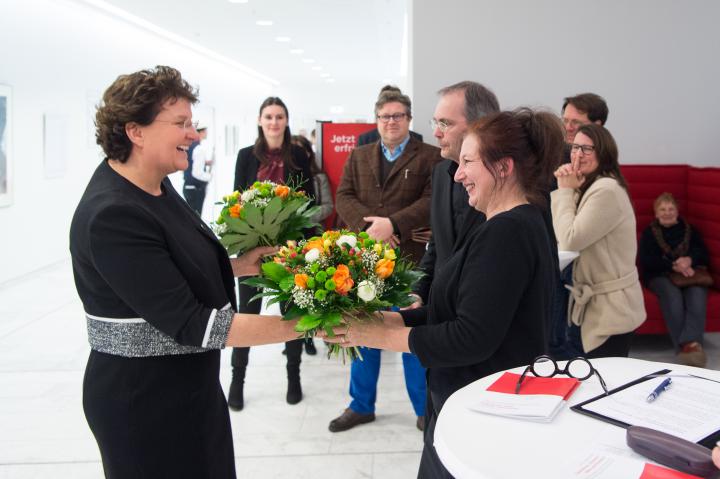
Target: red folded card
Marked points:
557	386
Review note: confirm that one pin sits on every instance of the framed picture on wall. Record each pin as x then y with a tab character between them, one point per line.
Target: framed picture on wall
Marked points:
5	145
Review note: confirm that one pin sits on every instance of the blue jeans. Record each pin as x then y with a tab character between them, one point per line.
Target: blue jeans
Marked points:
364	377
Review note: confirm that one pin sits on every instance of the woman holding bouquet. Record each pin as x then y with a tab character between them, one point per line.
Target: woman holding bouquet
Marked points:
489	306
273	157
158	292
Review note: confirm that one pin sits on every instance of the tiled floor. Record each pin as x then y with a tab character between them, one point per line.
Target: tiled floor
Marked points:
43	432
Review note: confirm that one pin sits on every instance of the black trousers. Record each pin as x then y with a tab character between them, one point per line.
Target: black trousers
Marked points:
431	467
239	358
195	196
615	346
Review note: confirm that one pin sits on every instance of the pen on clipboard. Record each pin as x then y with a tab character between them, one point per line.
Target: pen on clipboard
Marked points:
658	390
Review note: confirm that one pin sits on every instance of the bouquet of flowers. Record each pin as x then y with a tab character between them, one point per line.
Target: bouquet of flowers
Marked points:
266	214
341	273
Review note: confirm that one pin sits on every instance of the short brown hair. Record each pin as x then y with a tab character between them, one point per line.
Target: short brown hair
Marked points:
664	197
592	105
136	98
391	96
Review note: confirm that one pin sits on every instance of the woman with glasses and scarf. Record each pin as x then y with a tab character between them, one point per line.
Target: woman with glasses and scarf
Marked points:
273	157
489	305
592	214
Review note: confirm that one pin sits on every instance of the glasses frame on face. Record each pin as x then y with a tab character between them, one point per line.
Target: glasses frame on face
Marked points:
442	125
565	371
586	149
396	117
184	124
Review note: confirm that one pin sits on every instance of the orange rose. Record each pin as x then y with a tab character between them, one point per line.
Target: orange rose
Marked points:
314	244
384	267
342	279
301	281
235	210
282	191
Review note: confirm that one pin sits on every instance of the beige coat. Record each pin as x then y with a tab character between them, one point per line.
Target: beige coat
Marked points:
606	298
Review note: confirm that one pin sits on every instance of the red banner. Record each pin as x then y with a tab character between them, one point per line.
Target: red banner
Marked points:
336	141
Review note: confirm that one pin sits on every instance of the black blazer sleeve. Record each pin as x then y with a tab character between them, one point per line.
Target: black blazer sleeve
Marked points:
246	168
133	258
301	177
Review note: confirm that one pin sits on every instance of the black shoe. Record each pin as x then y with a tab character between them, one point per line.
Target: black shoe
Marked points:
310	347
420	423
294	391
236	401
349	419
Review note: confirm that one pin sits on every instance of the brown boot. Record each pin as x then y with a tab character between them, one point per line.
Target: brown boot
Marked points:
349	419
693	354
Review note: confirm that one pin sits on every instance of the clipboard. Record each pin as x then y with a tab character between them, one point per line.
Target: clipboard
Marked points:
708	442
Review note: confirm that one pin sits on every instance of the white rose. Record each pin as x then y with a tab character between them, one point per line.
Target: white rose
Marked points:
312	255
347	239
247	195
366	291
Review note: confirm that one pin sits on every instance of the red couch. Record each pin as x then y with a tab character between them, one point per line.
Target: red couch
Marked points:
697	191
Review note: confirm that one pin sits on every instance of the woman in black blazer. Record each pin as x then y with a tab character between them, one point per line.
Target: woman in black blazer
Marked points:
158	292
489	304
273	157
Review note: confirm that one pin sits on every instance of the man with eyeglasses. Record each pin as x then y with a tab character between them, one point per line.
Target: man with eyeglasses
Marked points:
372	136
580	110
199	171
451	216
385	191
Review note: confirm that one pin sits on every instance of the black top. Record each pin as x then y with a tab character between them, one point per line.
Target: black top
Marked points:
247	164
490	304
136	255
653	262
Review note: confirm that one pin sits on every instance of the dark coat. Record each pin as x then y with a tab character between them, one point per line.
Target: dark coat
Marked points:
443	209
247	164
404	197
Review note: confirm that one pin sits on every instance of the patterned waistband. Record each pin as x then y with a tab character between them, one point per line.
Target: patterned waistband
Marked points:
135	337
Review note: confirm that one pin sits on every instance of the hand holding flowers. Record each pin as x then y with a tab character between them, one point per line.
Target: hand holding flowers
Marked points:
336	279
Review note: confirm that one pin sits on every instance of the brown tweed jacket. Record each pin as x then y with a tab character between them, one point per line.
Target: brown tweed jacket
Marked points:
404	197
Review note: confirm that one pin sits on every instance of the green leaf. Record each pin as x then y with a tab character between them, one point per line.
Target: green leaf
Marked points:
236	225
287	283
308	323
272	209
293	312
234	249
274	271
230	239
253	216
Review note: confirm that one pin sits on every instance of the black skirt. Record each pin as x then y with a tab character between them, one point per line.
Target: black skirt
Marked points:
162	416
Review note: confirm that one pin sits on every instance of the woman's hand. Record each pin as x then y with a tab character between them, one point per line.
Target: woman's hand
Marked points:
568	176
683	265
249	263
372	333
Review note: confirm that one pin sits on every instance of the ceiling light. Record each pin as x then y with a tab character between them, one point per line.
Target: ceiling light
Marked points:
282	39
308	60
325	75
297	51
317	69
264	23
330	80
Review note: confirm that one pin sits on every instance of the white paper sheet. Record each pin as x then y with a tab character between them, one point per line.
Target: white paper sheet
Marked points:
689	409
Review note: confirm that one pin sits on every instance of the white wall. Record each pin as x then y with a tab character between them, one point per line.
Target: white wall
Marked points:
654	61
58	57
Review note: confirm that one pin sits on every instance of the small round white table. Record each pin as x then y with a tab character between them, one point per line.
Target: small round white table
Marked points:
476	445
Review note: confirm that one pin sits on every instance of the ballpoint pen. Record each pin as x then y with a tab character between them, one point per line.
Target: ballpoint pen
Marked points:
658	390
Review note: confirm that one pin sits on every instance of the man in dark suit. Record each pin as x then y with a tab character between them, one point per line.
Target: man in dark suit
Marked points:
385	190
451	217
373	135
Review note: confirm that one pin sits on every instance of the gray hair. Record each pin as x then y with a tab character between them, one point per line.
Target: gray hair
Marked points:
479	101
